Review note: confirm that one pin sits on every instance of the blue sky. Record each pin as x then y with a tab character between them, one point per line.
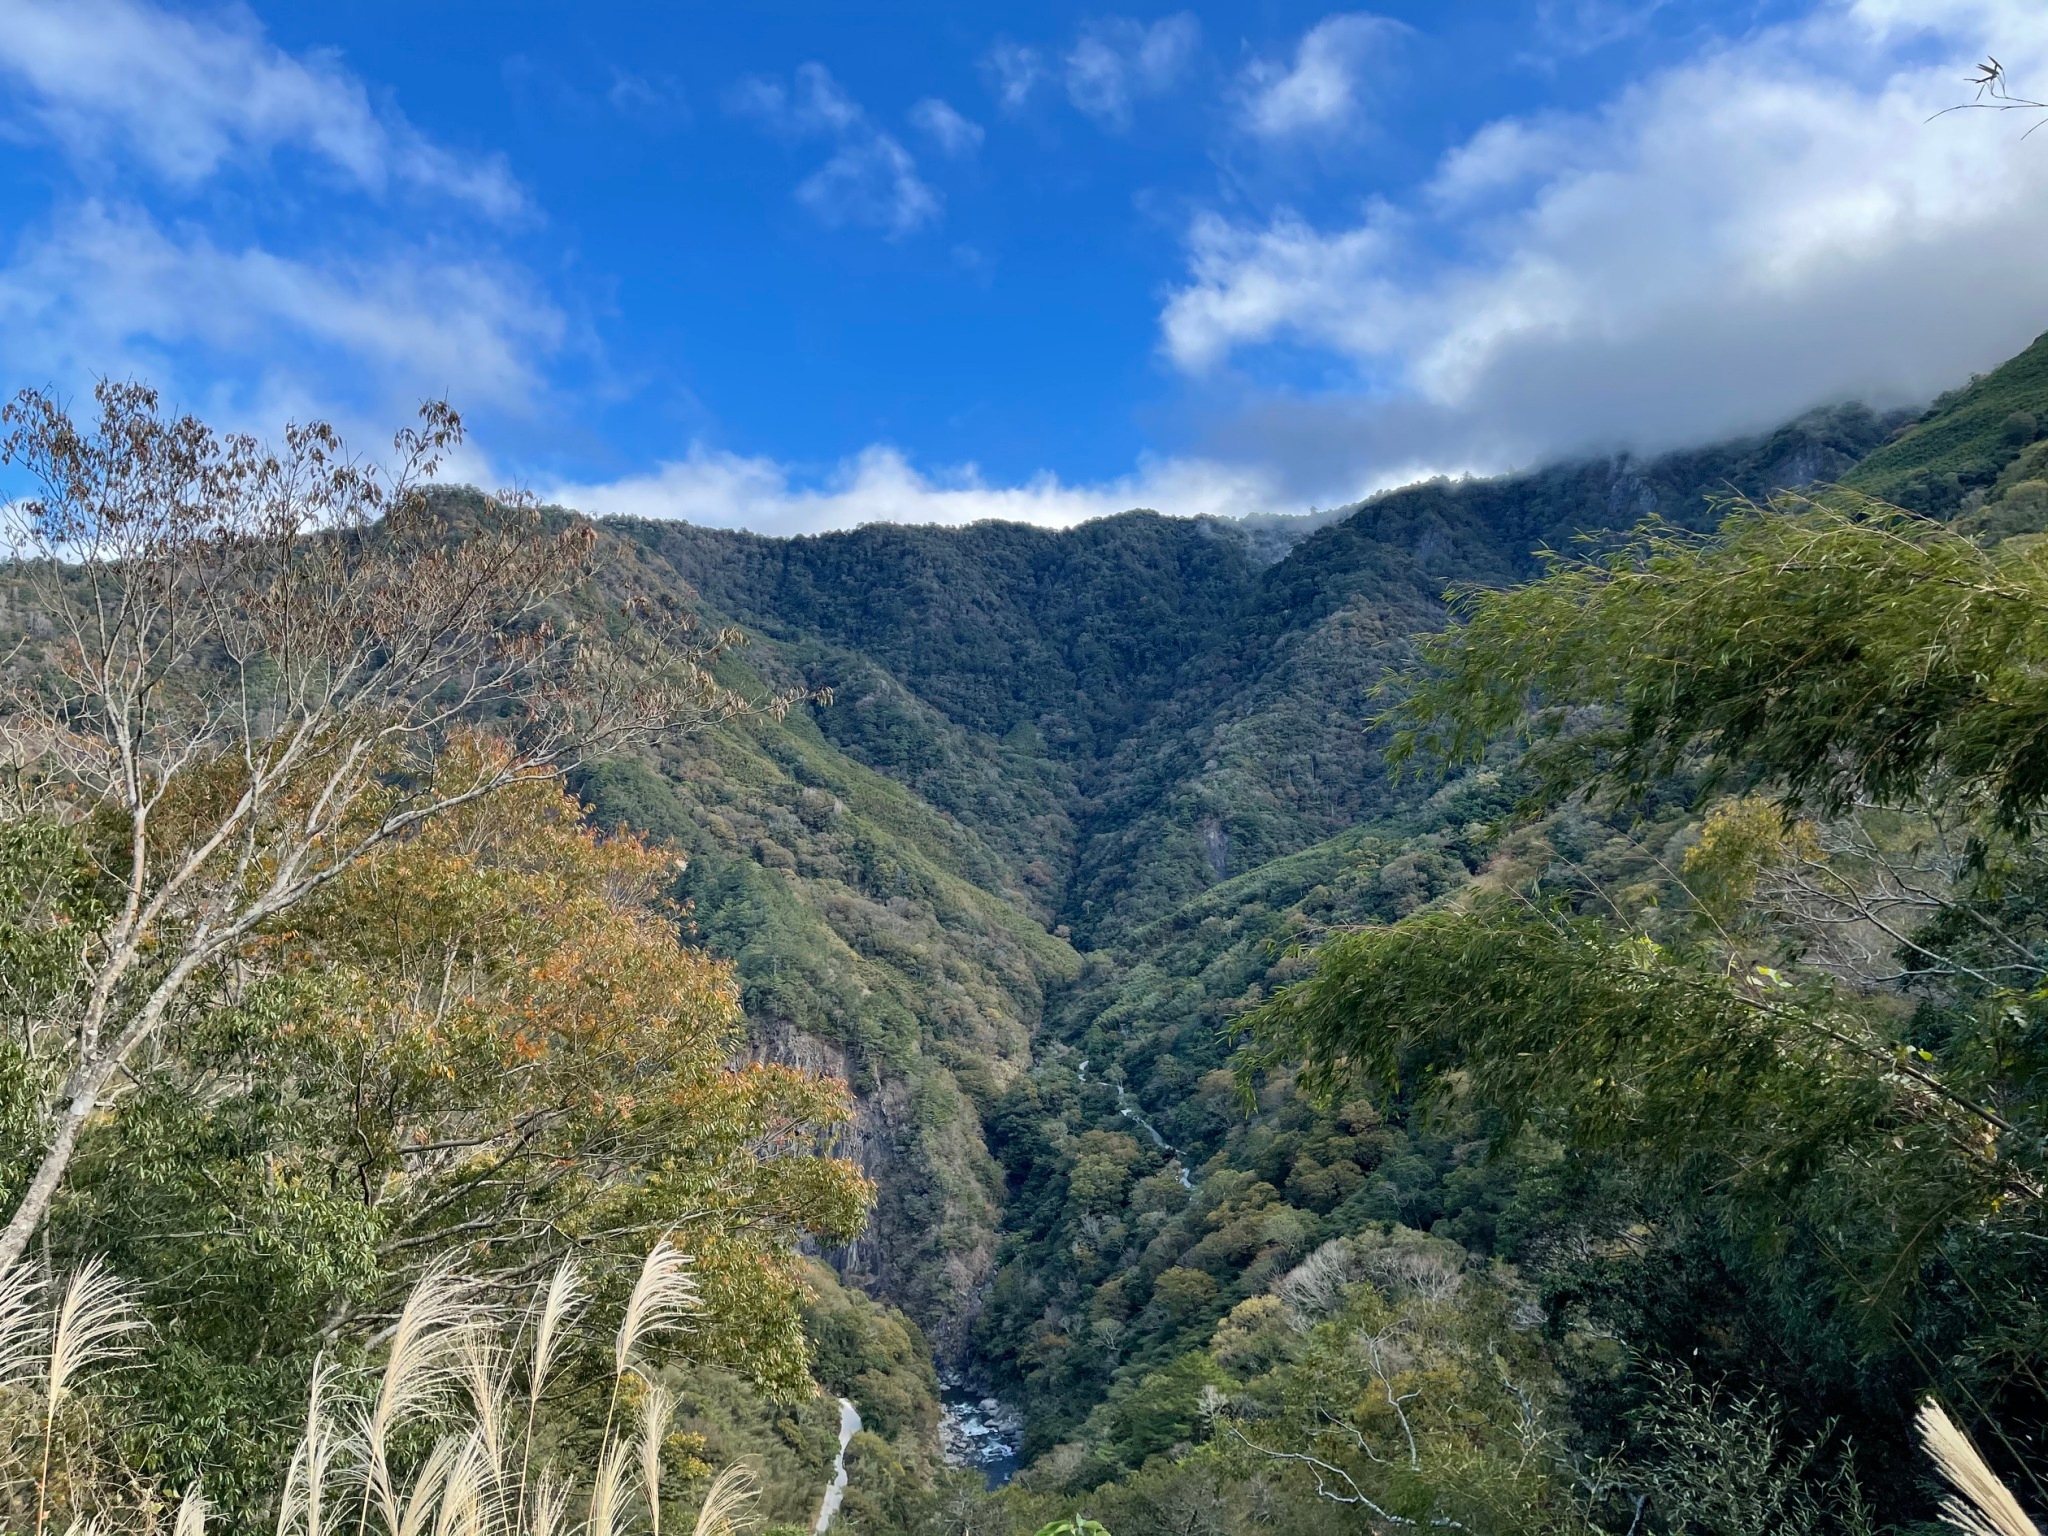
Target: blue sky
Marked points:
794	266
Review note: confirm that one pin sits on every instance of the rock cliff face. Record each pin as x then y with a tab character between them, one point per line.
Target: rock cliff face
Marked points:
1042	745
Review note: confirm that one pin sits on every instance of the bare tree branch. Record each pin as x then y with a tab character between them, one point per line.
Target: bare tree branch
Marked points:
246	668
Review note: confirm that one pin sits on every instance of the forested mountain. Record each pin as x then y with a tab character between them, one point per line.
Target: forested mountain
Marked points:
1074	856
1075	797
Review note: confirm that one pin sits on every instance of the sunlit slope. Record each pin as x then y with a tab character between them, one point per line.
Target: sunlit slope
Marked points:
1964	441
876	937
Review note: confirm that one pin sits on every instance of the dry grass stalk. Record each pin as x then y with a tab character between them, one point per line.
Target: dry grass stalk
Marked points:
21	1326
191	1519
485	1367
608	1491
558	1304
1986	1506
657	1407
663	1296
303	1499
553	1310
463	1508
91	1328
450	1368
93	1324
728	1503
416	1511
546	1506
437	1321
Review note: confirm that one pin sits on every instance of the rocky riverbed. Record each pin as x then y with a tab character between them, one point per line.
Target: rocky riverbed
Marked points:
982	1432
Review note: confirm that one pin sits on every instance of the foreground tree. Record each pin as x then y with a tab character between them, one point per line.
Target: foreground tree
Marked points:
1809	1055
487	1040
1835	653
239	671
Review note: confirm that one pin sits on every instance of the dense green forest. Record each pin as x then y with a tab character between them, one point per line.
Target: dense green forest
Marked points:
1516	1007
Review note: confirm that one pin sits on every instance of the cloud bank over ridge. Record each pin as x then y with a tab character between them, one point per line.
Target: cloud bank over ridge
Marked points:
880	485
1774	219
1779	222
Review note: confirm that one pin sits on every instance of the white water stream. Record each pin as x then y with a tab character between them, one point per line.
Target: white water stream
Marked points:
835	1493
1123	1108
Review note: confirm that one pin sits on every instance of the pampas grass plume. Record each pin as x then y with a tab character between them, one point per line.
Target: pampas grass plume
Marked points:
1986	1506
549	1502
558	1303
21	1325
657	1407
191	1519
728	1503
664	1295
94	1321
420	1506
607	1491
463	1497
436	1322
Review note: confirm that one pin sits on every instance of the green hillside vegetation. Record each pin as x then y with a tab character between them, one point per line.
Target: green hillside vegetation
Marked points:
1963	441
1564	1055
864	947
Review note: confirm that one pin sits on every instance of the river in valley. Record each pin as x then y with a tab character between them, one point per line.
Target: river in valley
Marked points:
982	1432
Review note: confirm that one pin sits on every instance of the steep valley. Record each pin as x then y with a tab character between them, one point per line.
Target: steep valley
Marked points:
1084	796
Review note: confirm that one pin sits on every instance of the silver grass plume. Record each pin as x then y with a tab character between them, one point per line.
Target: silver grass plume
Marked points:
608	1491
553	1309
657	1408
21	1325
91	1328
663	1296
321	1445
564	1294
93	1323
304	1496
545	1510
437	1320
418	1508
1986	1506
485	1367
728	1503
465	1497
191	1519
291	1498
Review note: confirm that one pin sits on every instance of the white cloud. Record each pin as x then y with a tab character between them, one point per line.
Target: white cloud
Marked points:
1118	62
1571	28
816	104
955	135
657	100
1014	72
183	95
106	290
872	181
1321	88
726	490
1771	225
870	178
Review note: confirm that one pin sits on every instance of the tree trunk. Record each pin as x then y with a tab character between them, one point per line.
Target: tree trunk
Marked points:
42	1189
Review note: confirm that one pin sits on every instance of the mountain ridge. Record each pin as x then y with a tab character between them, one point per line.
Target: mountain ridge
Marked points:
1049	749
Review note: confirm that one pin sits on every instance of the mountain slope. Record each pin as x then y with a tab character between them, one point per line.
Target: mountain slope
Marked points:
1266	745
876	939
1962	442
1104	733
